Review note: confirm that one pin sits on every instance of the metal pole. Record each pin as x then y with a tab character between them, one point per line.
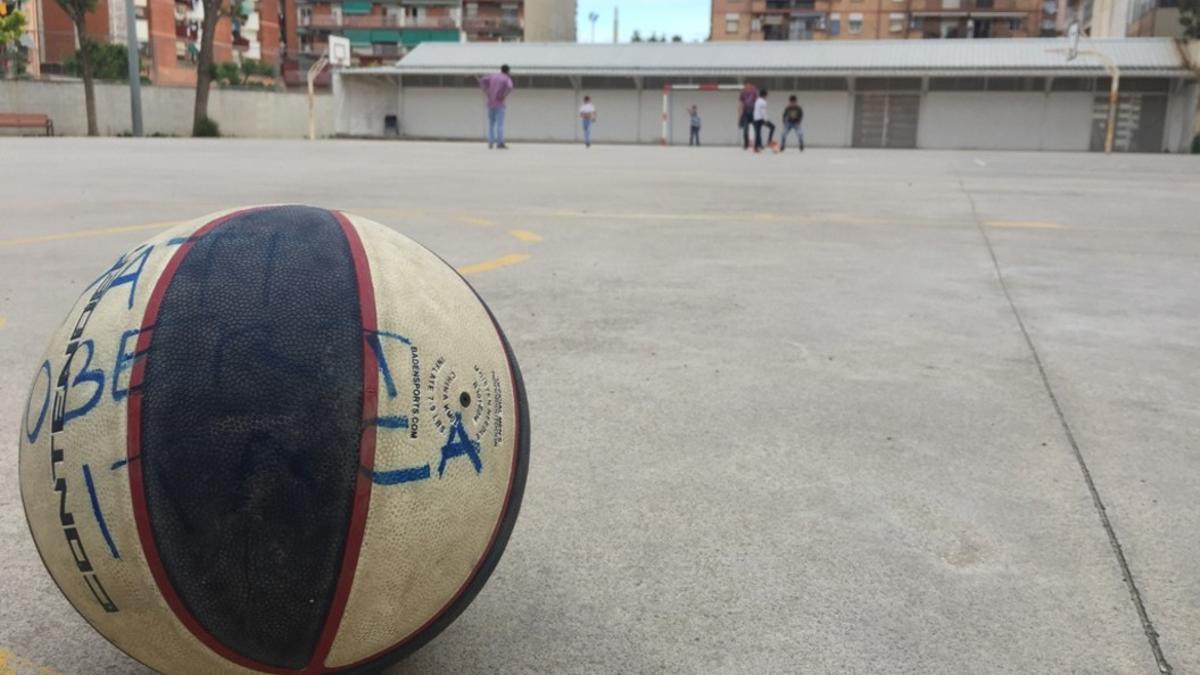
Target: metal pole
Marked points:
1114	92
1114	96
135	70
312	77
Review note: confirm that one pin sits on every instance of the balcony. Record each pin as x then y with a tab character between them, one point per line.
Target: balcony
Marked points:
790	6
374	21
493	25
964	7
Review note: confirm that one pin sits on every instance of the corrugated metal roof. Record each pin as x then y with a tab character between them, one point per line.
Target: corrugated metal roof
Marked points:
1012	56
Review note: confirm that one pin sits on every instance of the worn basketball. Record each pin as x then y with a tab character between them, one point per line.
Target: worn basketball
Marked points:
278	439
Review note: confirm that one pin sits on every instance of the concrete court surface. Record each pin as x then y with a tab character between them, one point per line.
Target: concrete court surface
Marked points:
785	417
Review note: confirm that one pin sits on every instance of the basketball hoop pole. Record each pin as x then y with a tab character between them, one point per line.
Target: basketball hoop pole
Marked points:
313	72
1114	71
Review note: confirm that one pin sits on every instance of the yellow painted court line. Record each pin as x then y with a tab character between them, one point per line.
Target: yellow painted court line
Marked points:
648	216
83	234
1025	224
11	664
488	265
525	235
3	321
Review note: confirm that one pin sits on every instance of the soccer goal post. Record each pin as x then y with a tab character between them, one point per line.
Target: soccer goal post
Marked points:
666	109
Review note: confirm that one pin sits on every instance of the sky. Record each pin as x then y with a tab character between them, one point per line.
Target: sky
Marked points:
688	18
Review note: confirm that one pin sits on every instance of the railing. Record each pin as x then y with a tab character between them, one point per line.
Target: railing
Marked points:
373	21
1031	6
477	24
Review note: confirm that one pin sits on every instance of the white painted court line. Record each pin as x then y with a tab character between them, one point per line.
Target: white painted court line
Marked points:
1025	224
980	162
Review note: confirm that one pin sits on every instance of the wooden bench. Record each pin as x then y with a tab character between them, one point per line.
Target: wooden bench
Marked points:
27	121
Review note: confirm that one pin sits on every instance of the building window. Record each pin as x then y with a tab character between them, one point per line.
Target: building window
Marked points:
835	24
305	16
755	25
472	10
1050	7
896	22
1016	25
915	23
731	23
856	21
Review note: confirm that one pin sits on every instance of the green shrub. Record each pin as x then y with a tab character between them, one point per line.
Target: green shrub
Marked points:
109	62
238	75
206	128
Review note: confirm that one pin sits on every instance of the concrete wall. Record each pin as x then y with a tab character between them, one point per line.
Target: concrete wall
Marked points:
1005	120
361	103
624	116
827	116
1182	118
168	110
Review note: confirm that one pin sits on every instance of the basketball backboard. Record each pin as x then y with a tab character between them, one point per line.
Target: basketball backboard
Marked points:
1072	40
339	50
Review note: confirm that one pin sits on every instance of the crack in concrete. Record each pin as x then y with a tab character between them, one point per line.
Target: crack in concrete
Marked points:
1135	595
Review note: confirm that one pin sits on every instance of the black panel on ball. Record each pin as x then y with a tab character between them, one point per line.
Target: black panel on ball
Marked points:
250	423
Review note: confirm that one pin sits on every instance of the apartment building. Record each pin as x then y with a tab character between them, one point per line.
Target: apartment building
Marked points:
493	20
168	33
550	20
378	31
755	20
1127	18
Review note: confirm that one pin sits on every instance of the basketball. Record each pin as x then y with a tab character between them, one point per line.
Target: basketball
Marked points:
277	439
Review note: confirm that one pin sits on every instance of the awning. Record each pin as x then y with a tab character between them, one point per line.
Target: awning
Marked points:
359	37
356	7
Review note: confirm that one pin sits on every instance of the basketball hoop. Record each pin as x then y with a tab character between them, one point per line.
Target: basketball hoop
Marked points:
337	54
339	51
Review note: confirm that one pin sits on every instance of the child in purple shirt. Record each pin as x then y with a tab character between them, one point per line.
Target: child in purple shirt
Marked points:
496	88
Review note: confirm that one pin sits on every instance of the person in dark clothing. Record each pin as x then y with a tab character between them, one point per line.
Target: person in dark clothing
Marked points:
694	114
793	115
746	101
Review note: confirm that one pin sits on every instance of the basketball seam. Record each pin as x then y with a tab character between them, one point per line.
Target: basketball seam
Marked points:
133	450
356	529
506	519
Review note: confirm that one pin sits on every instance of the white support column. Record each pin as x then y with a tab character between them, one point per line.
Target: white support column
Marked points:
666	114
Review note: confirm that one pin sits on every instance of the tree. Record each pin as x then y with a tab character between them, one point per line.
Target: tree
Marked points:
109	62
1189	18
204	64
78	11
636	37
676	38
11	27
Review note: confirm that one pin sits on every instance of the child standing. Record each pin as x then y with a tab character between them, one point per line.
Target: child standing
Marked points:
760	119
694	113
587	113
793	115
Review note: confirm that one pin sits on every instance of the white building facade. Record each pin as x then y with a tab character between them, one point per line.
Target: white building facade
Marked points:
953	94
